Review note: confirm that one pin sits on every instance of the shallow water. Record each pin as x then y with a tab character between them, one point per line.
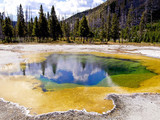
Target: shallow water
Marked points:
61	71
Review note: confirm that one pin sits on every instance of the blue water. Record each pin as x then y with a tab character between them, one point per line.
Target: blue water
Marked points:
60	69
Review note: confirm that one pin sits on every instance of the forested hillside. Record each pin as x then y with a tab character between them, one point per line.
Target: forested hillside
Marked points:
121	8
138	20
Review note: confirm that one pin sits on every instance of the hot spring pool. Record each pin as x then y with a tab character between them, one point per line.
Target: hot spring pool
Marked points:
73	81
61	71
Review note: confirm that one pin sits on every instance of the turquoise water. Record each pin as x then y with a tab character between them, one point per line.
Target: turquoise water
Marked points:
68	70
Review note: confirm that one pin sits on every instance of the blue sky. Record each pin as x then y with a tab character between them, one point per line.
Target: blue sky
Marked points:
63	7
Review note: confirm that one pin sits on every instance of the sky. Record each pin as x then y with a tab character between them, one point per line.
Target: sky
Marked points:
64	8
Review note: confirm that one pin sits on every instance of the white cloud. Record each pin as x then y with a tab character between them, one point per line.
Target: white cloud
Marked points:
63	7
97	2
70	7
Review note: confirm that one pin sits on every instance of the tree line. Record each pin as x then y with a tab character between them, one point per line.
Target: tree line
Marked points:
40	29
47	28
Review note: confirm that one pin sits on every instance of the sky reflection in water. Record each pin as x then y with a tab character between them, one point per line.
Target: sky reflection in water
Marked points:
76	69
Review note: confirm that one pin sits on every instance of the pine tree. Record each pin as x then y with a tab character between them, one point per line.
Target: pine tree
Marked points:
1	33
129	23
66	30
43	25
122	34
8	29
46	34
30	27
102	33
1	25
115	27
20	22
53	24
133	33
142	24
61	34
59	30
83	28
108	27
49	23
1	18
76	28
35	31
